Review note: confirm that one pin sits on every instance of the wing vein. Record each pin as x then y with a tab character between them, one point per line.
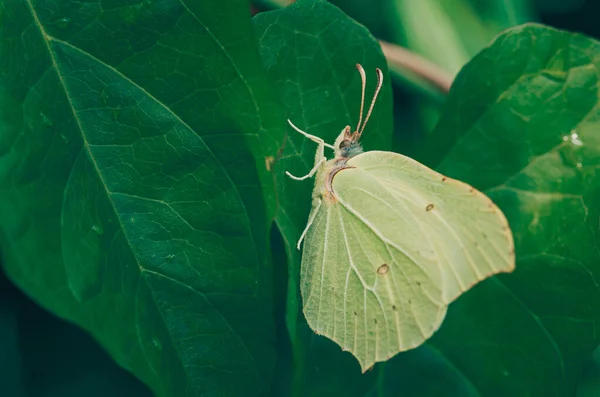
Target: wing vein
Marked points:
376	232
323	266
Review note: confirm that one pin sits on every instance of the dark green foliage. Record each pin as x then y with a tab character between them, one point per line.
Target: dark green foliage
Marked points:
143	146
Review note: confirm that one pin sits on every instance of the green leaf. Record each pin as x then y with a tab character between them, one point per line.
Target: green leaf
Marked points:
449	33
135	197
502	14
413	20
372	14
310	50
522	124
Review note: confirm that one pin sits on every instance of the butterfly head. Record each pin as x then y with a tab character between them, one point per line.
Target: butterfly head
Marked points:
347	143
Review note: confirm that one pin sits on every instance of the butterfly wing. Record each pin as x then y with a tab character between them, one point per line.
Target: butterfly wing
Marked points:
470	236
400	242
360	288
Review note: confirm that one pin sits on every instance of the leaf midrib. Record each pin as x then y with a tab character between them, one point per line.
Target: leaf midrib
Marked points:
47	39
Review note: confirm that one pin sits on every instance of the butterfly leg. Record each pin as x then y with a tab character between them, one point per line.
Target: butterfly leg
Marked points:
310	174
319	160
311	219
311	137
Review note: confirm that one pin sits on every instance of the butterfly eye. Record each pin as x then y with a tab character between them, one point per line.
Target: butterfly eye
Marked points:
344	144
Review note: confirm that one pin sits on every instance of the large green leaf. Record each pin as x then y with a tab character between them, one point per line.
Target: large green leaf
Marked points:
522	124
310	50
133	139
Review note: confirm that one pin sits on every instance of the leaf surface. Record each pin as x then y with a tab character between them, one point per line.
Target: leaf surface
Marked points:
136	198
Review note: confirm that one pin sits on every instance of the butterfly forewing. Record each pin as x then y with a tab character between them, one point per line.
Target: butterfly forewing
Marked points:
469	234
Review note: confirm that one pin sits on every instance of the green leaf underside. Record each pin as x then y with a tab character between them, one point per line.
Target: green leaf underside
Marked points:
508	129
395	246
131	208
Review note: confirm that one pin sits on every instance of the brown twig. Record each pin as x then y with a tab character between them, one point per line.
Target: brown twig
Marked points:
408	60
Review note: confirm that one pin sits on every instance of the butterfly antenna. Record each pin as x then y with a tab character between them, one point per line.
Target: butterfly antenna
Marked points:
379	84
363	78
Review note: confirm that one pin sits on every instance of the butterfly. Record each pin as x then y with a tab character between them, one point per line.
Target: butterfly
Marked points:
389	244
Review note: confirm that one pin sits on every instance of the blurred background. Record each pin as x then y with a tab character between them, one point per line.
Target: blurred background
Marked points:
42	356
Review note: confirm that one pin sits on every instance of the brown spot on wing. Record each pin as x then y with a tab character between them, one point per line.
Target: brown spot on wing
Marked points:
383	269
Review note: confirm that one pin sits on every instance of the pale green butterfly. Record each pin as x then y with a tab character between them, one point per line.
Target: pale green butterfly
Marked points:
389	244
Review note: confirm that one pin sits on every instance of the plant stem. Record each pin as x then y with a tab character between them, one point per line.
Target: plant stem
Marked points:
401	58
